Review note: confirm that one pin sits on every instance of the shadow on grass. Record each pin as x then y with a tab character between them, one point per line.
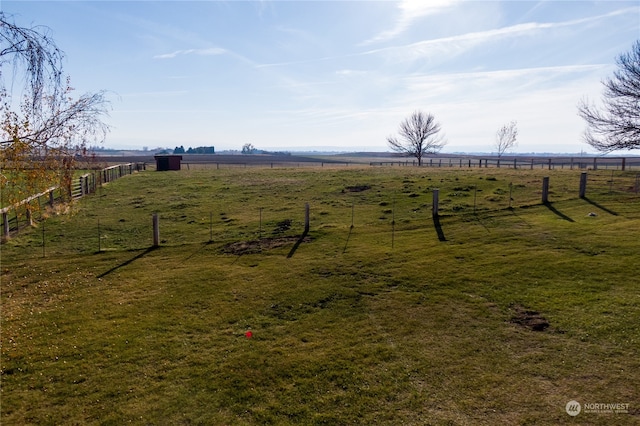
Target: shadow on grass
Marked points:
557	212
344	250
204	245
133	259
297	244
480	222
520	218
439	231
593	203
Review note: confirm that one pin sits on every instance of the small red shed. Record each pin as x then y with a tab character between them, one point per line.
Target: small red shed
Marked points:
166	162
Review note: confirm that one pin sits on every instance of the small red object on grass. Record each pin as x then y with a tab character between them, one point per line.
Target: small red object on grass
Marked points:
248	334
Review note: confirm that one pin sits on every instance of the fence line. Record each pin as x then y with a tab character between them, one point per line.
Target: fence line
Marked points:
571	163
196	165
81	186
249	235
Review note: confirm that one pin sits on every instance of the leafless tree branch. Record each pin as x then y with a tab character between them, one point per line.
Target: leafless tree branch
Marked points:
42	126
617	125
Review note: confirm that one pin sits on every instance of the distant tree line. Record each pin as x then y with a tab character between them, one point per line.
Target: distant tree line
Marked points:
249	149
199	150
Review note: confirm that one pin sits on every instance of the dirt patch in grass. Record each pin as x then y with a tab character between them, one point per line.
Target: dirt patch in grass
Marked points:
357	188
282	226
258	246
528	318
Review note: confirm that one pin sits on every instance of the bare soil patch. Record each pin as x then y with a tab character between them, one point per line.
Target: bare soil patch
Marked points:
357	188
528	318
282	226
258	246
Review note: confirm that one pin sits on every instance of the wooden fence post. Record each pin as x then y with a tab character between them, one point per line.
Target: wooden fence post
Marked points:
156	230
624	163
583	184
510	193
29	216
5	223
545	189
434	211
306	218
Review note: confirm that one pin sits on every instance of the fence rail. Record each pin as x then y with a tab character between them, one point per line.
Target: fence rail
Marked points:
24	212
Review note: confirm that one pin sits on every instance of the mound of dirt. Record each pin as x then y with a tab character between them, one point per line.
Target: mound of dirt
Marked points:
527	318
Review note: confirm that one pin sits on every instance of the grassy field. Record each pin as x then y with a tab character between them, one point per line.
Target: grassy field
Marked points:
381	315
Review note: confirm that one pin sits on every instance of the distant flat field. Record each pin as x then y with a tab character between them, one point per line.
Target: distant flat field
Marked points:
431	160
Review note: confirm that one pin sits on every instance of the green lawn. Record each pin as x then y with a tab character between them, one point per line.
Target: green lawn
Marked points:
396	320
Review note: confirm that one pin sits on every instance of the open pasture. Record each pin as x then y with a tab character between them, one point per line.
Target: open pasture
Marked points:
500	311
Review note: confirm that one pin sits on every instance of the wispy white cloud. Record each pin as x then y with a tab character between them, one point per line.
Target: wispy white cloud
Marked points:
450	46
154	94
351	73
494	86
409	12
445	47
211	51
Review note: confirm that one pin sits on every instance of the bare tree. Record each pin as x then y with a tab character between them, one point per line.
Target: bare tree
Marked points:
618	126
419	135
506	138
42	126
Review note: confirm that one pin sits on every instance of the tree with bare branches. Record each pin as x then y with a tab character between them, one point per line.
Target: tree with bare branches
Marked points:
506	138
617	126
42	126
419	134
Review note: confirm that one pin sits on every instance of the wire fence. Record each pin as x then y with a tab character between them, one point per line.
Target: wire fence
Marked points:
548	163
34	208
247	225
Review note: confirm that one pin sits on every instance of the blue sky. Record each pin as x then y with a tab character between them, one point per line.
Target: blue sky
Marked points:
338	75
